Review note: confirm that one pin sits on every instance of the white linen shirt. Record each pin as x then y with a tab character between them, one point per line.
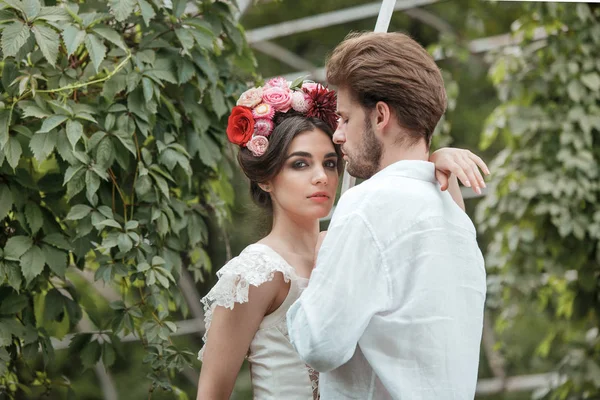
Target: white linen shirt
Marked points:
394	306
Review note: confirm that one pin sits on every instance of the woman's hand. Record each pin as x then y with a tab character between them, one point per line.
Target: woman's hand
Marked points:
463	164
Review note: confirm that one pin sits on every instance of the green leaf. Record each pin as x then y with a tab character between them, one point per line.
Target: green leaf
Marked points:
105	153
56	260
52	122
575	91
13	151
96	49
147	11
31	8
42	145
143	185
48	41
233	32
90	355
57	240
185	37
54	305
109	222
78	212
122	8
34	217
71	172
148	88
218	101
111	35
4	135
54	14
14	37
126	140
124	242
202	38
76	184
163	70
13	274
162	184
74	131
6	201
30	109
32	263
108	354
92	182
8	328
13	304
185	71
94	141
179	7
16	246
73	38
7	15
591	80
132	224
207	66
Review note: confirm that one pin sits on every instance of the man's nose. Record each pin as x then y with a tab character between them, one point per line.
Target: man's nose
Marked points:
339	137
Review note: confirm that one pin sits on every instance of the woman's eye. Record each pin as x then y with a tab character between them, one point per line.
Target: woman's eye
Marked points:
331	164
299	164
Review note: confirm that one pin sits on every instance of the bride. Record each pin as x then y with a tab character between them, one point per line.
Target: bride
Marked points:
286	151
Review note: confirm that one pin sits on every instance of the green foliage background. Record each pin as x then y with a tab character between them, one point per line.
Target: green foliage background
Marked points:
111	142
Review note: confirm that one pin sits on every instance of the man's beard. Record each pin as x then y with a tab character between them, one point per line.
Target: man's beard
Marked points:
367	158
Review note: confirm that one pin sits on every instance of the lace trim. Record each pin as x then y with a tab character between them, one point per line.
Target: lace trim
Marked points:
314	381
251	267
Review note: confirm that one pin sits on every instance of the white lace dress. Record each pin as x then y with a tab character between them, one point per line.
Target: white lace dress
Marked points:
276	370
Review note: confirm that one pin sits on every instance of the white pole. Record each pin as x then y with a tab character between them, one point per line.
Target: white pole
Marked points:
382	25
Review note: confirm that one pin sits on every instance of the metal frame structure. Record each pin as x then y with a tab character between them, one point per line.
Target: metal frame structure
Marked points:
259	39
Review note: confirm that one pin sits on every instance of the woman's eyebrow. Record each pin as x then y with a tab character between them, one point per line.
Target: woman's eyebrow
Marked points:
300	154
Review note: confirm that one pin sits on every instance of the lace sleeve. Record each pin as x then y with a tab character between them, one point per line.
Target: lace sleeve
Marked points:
251	267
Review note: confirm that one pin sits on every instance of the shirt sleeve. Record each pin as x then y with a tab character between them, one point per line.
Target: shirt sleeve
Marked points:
348	286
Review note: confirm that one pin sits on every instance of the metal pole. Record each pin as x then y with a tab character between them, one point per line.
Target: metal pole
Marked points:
382	25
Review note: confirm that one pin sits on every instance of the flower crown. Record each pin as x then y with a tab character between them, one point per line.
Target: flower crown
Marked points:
251	120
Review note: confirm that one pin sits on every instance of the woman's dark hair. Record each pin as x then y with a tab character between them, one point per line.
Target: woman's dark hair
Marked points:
264	168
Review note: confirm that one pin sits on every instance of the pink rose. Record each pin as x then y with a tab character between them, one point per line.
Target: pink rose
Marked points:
279	82
263	127
278	98
263	110
258	145
301	101
250	98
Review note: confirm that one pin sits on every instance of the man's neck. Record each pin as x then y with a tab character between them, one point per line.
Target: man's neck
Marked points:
393	154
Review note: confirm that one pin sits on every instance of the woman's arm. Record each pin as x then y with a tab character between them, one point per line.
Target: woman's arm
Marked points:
229	337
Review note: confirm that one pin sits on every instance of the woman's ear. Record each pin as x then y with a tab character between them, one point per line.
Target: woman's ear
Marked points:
265	187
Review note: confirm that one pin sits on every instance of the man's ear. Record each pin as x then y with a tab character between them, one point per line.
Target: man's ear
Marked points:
382	116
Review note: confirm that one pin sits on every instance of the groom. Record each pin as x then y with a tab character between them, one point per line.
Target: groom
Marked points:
394	307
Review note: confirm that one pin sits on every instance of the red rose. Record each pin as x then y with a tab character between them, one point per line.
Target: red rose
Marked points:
240	125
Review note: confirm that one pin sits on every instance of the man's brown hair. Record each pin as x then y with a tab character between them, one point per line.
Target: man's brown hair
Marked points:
395	69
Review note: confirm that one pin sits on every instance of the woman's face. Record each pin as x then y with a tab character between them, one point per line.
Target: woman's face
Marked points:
306	185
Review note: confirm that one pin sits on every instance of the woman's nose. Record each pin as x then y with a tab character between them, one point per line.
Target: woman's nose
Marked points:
320	176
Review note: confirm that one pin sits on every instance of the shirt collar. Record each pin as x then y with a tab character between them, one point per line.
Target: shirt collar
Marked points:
413	169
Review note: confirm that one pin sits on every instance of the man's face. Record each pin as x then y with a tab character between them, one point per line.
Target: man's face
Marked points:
361	148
